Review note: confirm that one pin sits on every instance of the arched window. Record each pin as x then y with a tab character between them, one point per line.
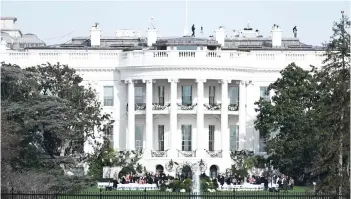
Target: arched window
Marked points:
213	171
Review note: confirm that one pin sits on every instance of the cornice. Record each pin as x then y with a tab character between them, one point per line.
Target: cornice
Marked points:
198	68
180	68
95	69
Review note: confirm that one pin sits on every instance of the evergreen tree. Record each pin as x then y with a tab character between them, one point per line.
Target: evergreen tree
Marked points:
334	85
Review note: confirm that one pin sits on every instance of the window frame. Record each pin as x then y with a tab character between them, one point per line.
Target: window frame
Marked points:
186	137
212	95
161	134
187	100
139	99
161	95
137	145
231	100
109	100
236	141
211	142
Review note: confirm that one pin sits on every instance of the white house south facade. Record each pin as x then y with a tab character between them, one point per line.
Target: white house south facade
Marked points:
181	99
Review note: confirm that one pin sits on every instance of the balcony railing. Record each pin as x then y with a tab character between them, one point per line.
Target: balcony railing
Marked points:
213	107
158	107
215	154
140	106
187	154
186	107
87	59
233	107
159	154
266	98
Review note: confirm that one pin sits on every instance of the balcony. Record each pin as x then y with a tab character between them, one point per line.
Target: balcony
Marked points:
159	154
214	154
186	109
213	107
187	154
233	107
140	107
160	107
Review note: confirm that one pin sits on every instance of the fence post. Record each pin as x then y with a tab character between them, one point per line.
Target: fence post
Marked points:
100	193
12	193
145	193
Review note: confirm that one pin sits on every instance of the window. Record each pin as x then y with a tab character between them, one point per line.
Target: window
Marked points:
186	47
108	96
233	95
263	143
187	95
138	137
161	137
211	95
213	171
234	137
109	135
186	137
211	131
139	95
264	93
161	95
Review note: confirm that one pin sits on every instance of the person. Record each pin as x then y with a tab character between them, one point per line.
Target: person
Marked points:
295	31
193	29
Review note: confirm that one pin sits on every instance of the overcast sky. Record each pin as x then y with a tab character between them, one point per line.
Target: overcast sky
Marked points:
58	22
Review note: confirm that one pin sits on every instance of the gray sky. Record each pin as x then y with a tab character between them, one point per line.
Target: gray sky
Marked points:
52	20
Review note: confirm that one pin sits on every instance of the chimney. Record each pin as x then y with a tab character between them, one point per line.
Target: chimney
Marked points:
3	45
95	35
276	36
151	36
220	35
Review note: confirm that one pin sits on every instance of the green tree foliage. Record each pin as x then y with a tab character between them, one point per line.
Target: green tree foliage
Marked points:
334	85
291	114
106	156
47	115
310	113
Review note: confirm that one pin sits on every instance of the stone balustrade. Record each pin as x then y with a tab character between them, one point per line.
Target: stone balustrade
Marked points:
95	59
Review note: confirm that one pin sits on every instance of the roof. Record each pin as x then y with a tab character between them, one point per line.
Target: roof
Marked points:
186	41
265	43
9	18
30	38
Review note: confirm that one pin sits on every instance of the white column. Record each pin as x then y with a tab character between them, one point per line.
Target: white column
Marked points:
148	121
224	119
200	139
242	114
130	137
173	124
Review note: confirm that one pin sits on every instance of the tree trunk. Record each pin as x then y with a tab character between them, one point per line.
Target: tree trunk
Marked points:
341	154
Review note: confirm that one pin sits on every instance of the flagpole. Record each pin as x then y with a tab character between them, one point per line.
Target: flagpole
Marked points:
186	33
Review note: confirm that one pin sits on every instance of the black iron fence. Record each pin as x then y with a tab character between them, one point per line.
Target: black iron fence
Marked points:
167	195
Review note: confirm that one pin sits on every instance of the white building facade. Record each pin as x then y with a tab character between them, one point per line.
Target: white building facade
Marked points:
179	105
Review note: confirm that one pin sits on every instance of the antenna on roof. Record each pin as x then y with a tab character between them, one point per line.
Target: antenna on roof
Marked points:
152	22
